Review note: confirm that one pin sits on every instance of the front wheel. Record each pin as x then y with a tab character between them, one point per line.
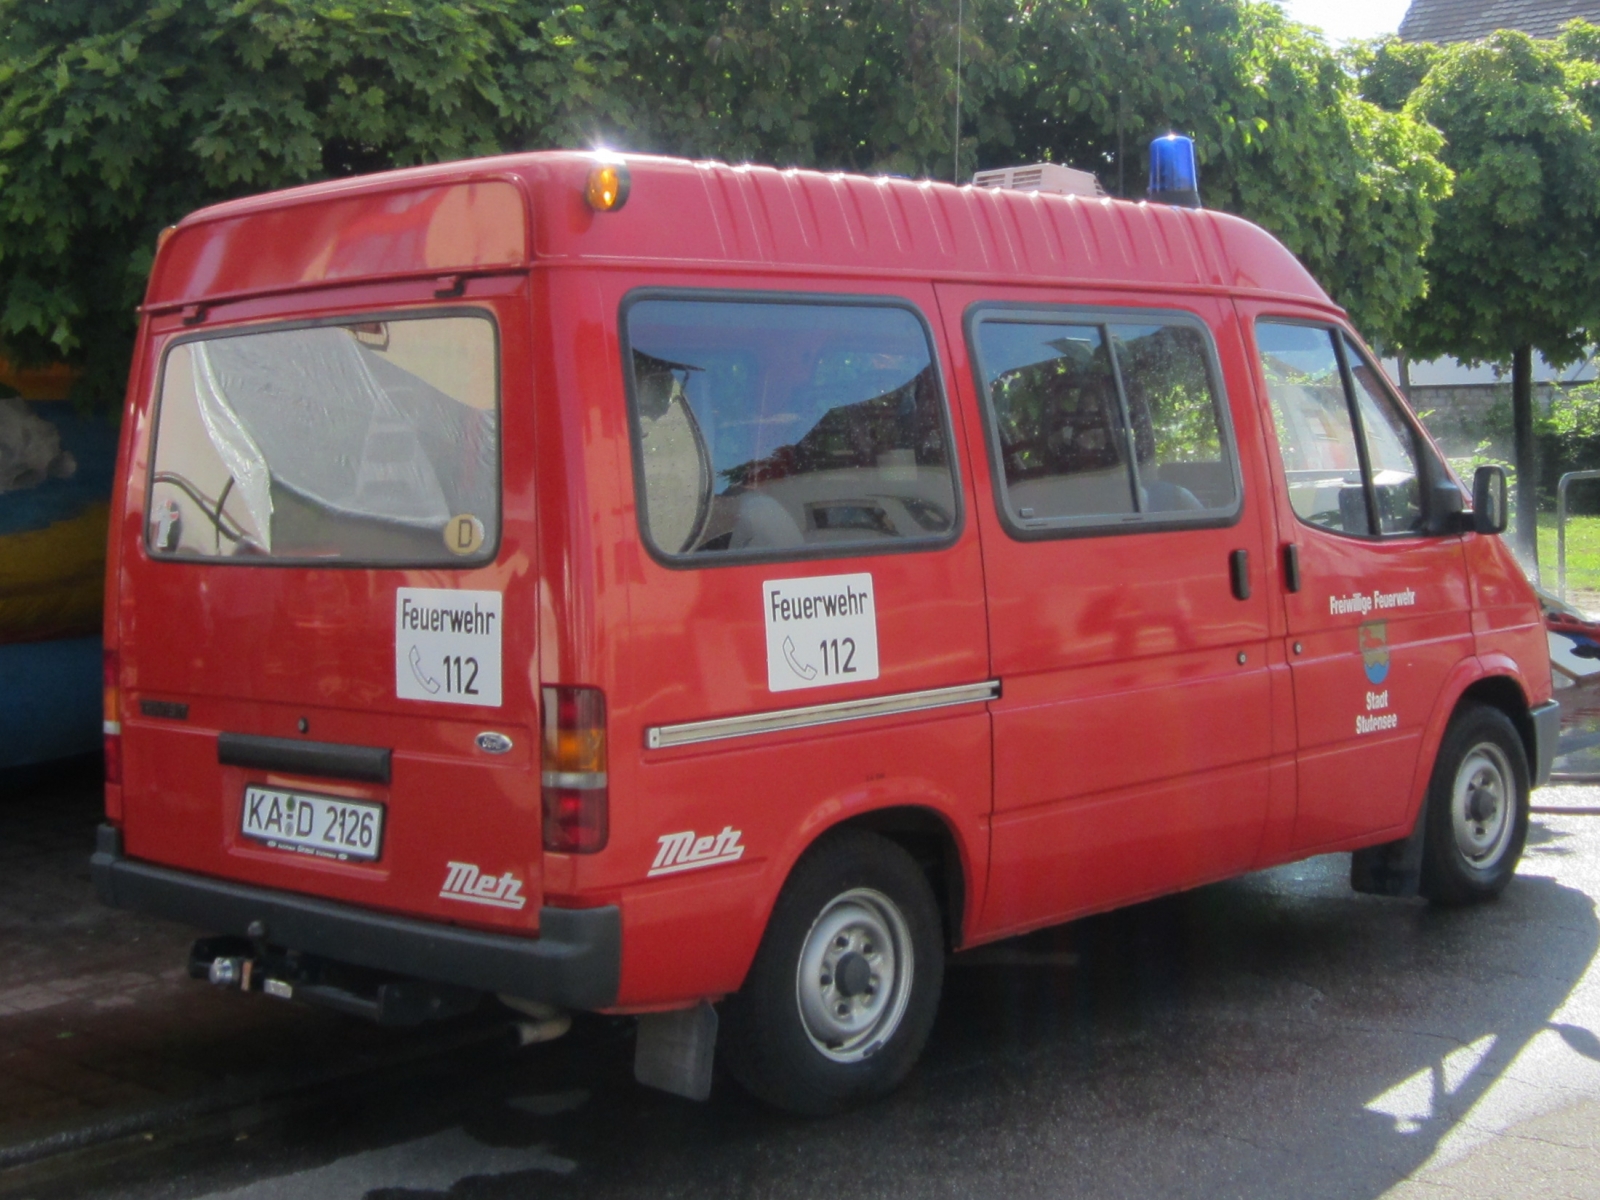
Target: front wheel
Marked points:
1477	809
843	991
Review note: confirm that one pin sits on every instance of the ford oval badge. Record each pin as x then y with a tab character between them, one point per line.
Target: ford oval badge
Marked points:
494	743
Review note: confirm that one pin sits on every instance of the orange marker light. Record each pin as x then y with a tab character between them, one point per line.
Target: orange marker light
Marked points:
112	718
608	185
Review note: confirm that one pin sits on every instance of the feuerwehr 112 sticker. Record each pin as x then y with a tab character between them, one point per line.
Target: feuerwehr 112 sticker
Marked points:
820	631
447	646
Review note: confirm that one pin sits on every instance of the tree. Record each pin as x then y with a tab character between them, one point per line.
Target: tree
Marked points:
864	85
1282	136
119	116
1388	70
1512	268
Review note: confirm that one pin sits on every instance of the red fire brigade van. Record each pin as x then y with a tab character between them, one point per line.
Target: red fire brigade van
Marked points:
715	594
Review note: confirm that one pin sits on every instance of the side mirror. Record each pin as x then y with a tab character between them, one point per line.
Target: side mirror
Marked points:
1489	500
1444	513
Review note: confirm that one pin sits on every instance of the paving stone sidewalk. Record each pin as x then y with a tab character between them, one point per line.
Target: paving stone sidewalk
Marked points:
99	1021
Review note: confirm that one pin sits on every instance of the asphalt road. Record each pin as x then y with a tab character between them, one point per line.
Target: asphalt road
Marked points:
1275	1036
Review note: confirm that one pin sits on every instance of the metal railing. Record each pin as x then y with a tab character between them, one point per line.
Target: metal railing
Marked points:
1561	525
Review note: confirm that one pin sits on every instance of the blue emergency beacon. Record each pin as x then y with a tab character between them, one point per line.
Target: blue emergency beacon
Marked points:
1174	178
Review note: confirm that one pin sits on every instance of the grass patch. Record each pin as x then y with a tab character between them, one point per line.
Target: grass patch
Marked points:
1583	552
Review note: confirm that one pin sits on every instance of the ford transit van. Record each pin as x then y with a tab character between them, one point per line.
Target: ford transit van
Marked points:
715	594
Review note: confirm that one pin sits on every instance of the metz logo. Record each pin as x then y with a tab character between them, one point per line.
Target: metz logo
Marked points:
684	852
465	882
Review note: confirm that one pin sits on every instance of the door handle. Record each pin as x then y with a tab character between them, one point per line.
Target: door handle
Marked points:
1291	567
333	759
1239	570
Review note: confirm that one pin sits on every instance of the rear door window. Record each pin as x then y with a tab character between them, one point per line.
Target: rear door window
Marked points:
364	442
785	427
1100	420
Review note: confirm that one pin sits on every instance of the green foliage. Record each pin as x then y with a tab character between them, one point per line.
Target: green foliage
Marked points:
1574	417
1569	440
1512	259
1566	438
1379	219
1282	137
118	116
1580	40
1511	269
866	85
1389	70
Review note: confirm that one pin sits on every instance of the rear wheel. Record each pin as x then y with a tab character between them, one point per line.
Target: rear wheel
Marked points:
843	991
1477	809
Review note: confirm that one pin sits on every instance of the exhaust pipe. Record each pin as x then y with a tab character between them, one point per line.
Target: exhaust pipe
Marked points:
545	1022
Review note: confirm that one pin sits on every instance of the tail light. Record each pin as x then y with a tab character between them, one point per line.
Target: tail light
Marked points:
576	800
112	725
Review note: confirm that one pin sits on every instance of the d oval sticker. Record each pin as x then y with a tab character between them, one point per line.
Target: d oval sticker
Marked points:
463	535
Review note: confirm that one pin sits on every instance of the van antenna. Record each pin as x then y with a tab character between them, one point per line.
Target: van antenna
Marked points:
955	150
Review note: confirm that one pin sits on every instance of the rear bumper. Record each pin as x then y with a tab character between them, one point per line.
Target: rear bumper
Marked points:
574	962
1546	731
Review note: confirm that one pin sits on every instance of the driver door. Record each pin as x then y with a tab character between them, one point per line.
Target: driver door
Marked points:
1376	605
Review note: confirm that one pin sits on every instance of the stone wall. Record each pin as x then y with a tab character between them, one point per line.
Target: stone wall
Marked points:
1459	416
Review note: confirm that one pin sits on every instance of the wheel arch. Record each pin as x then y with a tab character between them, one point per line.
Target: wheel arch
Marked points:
1506	694
924	834
772	1045
1493	680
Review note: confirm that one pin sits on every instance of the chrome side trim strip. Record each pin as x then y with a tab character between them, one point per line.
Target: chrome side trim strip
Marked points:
658	737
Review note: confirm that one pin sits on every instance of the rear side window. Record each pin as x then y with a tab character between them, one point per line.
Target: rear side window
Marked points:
1099	420
1349	455
371	442
785	427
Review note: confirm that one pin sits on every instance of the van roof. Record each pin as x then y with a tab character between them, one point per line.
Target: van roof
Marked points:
514	211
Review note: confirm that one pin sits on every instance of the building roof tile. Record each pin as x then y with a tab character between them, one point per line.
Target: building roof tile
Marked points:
1466	20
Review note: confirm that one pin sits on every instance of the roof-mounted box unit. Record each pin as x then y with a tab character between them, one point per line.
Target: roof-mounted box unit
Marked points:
1042	177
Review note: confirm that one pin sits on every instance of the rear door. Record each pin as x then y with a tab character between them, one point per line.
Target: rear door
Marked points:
325	621
1376	607
1123	554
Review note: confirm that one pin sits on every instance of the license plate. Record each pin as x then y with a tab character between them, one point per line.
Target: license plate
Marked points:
324	826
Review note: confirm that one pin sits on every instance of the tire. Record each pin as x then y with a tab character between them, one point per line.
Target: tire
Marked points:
843	991
1477	809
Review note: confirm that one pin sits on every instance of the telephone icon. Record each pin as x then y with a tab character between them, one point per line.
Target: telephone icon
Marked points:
805	670
423	677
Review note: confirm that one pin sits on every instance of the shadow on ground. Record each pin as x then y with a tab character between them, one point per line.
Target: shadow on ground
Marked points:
1272	1036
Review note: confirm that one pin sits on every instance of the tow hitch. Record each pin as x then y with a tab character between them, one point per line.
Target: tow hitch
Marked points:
233	962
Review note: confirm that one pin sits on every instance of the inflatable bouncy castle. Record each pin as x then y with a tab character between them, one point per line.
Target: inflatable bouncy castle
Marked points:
55	483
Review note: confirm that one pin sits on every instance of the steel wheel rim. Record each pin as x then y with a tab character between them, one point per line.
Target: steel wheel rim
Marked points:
845	1024
1483	805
